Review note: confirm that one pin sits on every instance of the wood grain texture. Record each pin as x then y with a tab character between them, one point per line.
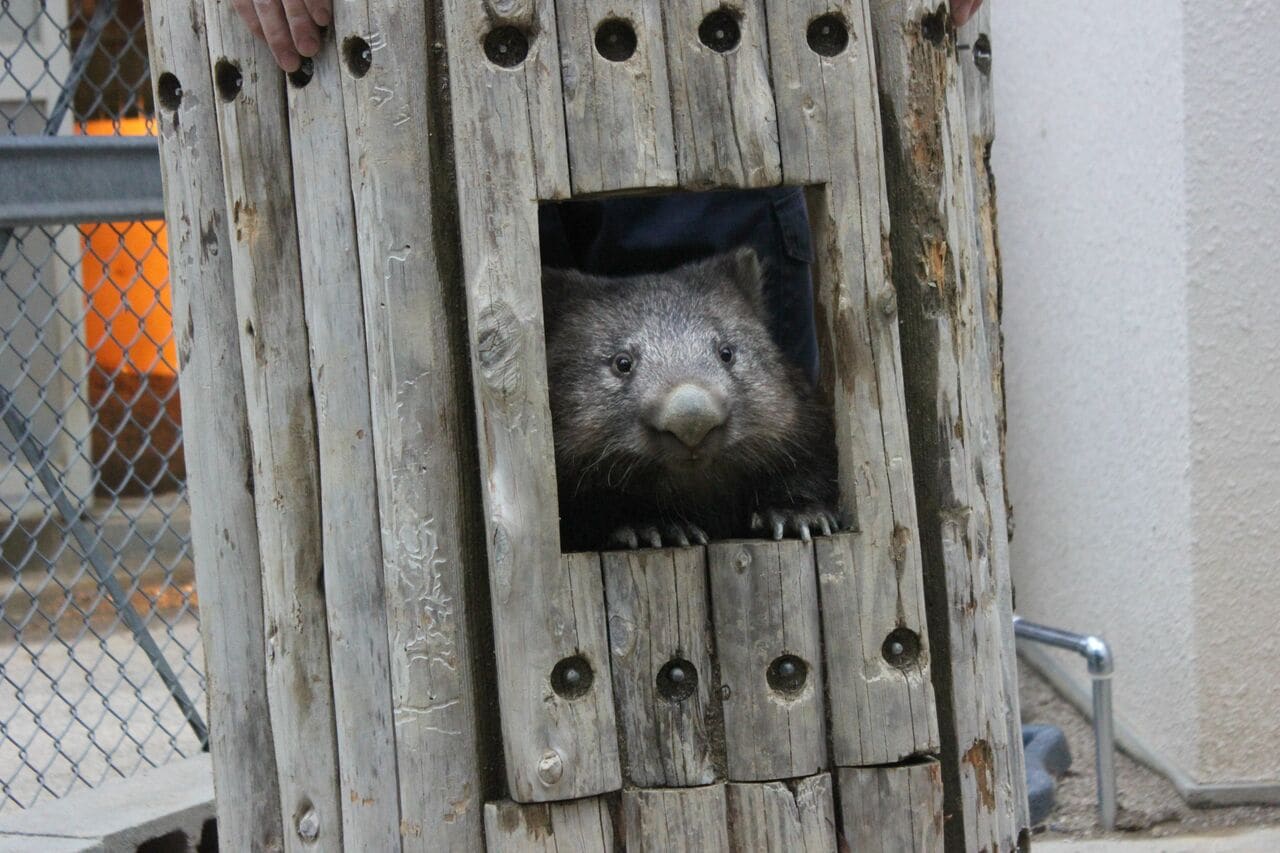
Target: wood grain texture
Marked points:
617	113
576	826
675	820
725	123
542	611
224	529
423	436
353	567
974	58
765	604
954	431
274	358
975	76
782	817
829	125
882	707
658	615
891	809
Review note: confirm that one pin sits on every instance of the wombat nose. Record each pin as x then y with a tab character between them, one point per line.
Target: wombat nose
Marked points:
689	412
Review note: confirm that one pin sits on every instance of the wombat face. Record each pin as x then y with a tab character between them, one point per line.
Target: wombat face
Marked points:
667	382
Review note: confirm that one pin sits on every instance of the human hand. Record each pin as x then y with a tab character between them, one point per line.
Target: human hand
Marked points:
963	10
291	28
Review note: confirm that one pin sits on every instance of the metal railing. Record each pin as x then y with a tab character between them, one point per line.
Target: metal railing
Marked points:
101	669
1101	666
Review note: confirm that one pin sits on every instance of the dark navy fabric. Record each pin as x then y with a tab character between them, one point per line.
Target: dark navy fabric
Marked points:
625	236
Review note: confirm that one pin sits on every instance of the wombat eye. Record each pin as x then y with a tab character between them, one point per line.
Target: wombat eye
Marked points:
622	362
726	354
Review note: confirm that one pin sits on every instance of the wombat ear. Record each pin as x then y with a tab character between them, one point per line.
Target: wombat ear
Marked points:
744	268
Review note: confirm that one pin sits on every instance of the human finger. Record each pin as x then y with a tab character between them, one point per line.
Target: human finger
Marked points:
275	29
963	10
321	11
302	29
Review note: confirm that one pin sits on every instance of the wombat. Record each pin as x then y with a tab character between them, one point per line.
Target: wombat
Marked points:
677	418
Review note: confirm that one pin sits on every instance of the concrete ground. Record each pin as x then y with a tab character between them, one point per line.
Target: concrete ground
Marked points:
1152	816
80	703
48	749
1254	840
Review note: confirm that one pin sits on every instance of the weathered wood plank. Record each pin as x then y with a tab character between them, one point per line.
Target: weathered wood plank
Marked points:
829	125
877	655
954	429
352	547
224	529
616	96
975	75
663	681
543	613
274	358
521	35
725	125
423	436
782	817
574	826
891	809
765	603
675	820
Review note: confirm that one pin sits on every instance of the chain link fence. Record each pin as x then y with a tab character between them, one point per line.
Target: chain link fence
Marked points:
101	670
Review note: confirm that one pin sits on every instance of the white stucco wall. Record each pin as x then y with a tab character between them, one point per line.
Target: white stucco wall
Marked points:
1232	98
1137	160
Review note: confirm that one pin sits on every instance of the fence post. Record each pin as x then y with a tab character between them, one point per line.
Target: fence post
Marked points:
220	476
955	441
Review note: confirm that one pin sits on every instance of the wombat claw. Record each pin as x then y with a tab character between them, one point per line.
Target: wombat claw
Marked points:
670	534
799	522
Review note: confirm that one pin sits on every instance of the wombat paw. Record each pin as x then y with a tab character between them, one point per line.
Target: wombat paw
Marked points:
805	523
658	535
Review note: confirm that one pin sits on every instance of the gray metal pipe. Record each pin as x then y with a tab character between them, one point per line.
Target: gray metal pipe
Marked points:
1101	665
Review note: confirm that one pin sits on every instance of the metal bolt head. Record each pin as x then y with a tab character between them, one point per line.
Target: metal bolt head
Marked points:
787	674
982	53
677	680
720	31
901	648
572	677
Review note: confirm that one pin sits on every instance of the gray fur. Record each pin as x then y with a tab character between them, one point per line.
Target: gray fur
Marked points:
683	446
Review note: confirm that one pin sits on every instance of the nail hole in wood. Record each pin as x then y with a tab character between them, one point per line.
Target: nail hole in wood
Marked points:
787	674
933	26
901	648
227	79
302	76
828	35
677	680
720	31
572	677
982	53
616	40
169	91
357	55
506	46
